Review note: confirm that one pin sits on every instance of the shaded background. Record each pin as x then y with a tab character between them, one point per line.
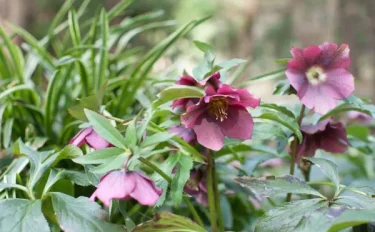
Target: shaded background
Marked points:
259	30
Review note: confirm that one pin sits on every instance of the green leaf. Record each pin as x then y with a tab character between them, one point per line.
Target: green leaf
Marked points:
302	216
52	99
105	129
267	76
329	169
22	215
79	178
358	131
10	186
283	120
103	56
283	87
157	138
163	222
176	92
207	49
99	156
131	134
352	217
263	131
68	152
7	132
90	102
278	108
274	185
74	28
119	8
116	163
229	64
181	177
79	214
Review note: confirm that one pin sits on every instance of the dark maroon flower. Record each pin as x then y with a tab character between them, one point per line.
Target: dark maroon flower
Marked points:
91	138
213	80
320	75
221	113
186	134
325	135
196	186
122	185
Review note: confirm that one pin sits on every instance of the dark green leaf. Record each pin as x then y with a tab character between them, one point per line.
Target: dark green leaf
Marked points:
68	152
100	156
20	215
274	185
181	177
352	217
79	214
329	169
105	129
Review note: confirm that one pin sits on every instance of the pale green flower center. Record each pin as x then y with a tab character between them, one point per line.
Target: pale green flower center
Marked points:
315	75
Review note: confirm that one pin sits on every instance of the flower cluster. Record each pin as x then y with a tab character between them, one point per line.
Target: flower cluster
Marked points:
220	112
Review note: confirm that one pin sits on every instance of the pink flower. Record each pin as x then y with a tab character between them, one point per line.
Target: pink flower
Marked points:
196	187
91	138
123	185
213	80
325	135
358	117
221	113
320	75
186	134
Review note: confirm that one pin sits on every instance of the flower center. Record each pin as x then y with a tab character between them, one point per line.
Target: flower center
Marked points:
315	75
218	108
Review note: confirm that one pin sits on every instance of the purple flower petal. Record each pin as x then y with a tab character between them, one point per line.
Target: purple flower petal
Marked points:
193	112
334	139
316	99
209	133
312	129
96	142
238	125
298	61
187	80
335	57
298	80
307	148
311	54
79	138
186	134
114	185
339	83
145	192
242	96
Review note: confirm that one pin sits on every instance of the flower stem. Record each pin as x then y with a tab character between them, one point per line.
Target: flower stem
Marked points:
217	196
210	192
169	180
294	150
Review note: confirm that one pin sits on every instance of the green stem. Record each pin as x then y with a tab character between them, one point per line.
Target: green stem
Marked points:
217	196
210	192
169	180
294	150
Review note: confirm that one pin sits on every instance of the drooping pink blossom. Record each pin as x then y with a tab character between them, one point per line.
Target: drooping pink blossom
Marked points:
325	135
196	186
187	134
359	117
320	75
122	185
91	138
221	112
212	80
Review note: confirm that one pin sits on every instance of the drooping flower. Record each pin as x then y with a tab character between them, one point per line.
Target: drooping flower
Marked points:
91	138
187	134
221	112
325	135
320	75
358	117
196	186
122	185
213	80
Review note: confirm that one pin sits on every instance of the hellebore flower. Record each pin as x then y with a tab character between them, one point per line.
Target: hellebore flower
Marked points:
358	117
320	75
91	138
220	113
213	80
325	135
196	187
122	185
186	134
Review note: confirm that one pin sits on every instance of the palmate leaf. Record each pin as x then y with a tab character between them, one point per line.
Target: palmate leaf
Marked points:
274	185
163	222
181	177
20	215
